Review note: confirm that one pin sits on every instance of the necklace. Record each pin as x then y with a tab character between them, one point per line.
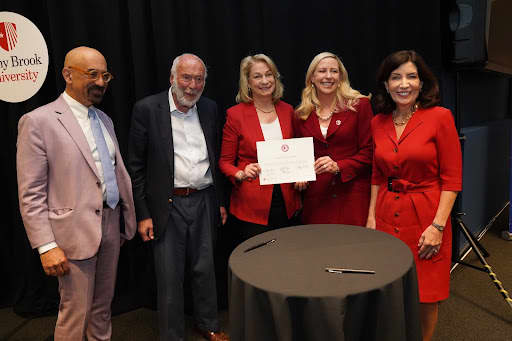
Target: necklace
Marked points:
326	117
406	118
265	111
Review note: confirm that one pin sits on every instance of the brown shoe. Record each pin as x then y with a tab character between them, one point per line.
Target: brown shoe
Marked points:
213	336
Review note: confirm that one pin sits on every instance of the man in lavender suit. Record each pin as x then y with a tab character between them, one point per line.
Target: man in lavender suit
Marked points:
73	187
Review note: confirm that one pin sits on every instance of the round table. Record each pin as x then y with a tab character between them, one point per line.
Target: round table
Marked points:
281	291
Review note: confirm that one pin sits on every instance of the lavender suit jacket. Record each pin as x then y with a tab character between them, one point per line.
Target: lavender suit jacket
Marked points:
59	188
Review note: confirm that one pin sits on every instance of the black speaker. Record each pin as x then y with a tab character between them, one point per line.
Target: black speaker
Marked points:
481	34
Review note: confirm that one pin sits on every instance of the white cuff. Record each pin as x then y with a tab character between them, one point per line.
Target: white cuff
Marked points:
46	247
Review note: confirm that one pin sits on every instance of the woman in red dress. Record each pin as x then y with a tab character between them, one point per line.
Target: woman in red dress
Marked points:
338	118
417	173
260	115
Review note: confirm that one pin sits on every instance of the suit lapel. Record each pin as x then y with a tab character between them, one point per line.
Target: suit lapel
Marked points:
253	123
284	122
118	160
414	122
337	121
109	128
205	121
165	127
389	128
112	133
312	126
68	120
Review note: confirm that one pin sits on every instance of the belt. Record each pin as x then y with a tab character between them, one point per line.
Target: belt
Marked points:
400	185
183	191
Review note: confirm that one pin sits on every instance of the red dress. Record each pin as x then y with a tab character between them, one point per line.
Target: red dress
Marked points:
343	198
425	161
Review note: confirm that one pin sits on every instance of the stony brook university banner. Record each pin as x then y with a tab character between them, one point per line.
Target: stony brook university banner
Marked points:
23	58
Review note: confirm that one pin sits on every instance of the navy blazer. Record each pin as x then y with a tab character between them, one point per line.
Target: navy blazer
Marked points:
151	156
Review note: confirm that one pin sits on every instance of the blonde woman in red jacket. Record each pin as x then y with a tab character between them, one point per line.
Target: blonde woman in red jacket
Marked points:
260	115
338	118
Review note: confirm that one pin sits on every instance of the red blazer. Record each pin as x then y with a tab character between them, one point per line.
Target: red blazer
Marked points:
343	198
250	201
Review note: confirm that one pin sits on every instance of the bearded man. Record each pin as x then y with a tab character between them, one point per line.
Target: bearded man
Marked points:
173	160
73	188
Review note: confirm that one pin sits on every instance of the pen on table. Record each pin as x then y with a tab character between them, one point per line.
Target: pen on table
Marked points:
339	271
268	242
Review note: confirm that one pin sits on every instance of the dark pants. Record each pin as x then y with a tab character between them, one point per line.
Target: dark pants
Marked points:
277	218
185	250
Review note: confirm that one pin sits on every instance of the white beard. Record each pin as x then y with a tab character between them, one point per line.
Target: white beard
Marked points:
180	96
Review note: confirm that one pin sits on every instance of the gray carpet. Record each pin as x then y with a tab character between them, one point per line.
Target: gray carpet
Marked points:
474	311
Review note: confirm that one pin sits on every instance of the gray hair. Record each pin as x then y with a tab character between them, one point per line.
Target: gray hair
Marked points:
176	61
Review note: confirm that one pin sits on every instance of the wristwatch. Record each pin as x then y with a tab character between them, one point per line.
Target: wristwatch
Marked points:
437	226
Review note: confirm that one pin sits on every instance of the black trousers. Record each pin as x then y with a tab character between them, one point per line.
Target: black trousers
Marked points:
277	218
185	250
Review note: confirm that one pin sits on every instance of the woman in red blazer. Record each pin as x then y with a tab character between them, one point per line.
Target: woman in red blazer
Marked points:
260	115
417	173
338	118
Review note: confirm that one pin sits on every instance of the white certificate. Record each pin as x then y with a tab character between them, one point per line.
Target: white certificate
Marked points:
284	161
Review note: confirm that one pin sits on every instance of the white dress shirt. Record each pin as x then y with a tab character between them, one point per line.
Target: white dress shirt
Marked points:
81	113
191	163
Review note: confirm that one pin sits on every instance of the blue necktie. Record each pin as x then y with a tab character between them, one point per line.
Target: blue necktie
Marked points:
109	175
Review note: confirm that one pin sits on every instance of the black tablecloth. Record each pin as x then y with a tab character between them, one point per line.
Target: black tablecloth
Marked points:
281	291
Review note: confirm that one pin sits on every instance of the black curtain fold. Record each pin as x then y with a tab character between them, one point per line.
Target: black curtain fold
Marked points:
140	39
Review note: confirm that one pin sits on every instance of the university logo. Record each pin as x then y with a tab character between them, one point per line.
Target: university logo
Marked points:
8	35
23	58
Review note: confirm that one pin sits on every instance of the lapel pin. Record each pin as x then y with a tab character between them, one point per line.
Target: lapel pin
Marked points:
338	122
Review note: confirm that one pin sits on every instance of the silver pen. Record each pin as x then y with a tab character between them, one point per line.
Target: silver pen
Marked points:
341	270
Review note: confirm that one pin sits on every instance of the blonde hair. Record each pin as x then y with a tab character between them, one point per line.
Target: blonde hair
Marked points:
345	95
244	95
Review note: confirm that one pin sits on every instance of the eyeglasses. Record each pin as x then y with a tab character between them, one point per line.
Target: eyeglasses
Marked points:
94	74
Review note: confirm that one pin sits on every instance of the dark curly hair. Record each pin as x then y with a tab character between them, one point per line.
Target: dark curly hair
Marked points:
429	94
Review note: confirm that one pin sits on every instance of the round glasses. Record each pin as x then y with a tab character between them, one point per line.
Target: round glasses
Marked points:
93	74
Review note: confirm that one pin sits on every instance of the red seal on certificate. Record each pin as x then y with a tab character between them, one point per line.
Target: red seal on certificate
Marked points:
285	148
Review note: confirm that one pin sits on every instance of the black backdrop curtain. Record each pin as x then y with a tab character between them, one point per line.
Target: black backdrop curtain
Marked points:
139	39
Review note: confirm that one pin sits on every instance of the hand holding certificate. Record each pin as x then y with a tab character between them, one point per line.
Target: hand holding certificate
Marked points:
285	161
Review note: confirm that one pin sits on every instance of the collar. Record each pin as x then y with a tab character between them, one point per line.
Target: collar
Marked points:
76	107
